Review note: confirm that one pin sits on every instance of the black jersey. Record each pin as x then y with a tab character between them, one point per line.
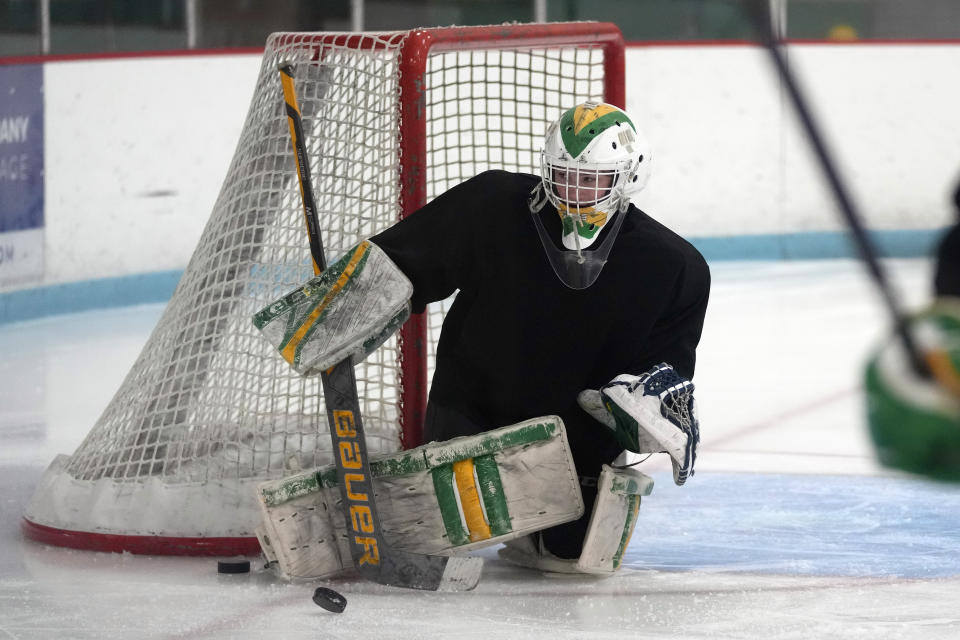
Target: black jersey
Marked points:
517	343
946	281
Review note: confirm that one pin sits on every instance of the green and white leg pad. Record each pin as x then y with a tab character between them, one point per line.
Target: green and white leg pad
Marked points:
349	310
613	519
440	498
611	524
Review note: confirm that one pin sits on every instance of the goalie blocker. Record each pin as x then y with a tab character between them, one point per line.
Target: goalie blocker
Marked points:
348	310
455	496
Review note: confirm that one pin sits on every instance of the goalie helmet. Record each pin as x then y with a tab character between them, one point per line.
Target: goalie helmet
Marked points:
593	160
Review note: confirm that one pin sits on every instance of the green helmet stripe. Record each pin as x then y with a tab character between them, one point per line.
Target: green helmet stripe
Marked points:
575	141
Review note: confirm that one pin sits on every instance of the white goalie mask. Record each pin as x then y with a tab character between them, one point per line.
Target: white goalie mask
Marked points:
593	160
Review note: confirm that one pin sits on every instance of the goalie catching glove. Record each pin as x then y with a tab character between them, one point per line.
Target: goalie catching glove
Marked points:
651	413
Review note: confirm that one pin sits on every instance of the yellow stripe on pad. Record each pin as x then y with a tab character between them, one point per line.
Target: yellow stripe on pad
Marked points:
470	500
289	350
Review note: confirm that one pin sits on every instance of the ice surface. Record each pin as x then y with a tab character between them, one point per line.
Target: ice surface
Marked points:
789	529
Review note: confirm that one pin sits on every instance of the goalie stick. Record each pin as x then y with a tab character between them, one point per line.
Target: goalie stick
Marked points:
373	559
760	14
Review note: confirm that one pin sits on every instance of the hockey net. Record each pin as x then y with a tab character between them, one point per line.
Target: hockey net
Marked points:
209	409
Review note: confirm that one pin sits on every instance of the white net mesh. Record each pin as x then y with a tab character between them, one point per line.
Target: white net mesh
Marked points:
491	108
208	399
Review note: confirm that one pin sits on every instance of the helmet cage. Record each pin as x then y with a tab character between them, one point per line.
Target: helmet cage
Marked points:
577	187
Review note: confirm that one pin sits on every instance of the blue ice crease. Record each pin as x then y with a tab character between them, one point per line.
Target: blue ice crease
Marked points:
818	525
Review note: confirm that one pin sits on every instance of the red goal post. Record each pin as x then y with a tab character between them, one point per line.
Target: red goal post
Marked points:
413	143
209	409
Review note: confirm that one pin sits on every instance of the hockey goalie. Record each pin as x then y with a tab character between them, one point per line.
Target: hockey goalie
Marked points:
571	339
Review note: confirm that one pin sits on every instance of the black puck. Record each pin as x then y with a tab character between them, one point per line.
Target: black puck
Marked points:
330	599
233	565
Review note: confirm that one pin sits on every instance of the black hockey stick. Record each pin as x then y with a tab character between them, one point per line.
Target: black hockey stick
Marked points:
760	14
373	559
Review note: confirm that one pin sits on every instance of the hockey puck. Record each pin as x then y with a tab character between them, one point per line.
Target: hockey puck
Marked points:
233	565
330	599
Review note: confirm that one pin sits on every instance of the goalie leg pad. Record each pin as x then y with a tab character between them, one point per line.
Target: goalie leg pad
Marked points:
299	540
611	525
439	498
613	519
349	310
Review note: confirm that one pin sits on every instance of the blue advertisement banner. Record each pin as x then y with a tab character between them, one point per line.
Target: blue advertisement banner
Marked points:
21	172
